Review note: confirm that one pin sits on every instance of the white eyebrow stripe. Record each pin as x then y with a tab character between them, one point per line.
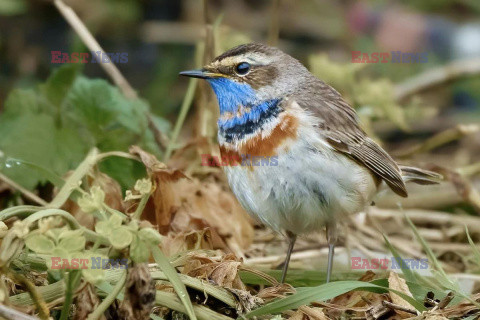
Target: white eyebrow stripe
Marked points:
256	59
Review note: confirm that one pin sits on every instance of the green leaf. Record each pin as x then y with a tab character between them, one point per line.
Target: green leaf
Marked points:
305	296
39	243
150	236
55	125
441	276
139	251
120	238
36	138
408	274
61	252
93	275
174	279
73	243
115	221
59	84
104	228
67	233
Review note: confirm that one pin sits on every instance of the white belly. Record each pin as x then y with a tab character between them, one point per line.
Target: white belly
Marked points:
306	189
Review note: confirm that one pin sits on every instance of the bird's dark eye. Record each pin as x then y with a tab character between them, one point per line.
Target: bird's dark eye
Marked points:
242	68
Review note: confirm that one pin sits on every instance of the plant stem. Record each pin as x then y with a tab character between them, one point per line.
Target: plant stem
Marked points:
187	101
73	279
43	311
141	205
109	298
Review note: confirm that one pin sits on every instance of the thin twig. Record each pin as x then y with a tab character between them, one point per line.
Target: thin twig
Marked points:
28	194
37	298
92	44
445	301
109	67
394	306
437	76
440	139
274	28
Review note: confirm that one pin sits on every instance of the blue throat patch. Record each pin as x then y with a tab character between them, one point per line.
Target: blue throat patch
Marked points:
230	96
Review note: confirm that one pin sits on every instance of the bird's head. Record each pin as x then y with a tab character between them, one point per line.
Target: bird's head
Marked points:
249	75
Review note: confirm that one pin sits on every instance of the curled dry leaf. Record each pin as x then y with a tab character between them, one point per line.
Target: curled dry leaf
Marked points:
399	284
206	239
223	273
278	291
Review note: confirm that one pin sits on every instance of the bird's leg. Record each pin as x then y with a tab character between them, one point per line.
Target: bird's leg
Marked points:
331	240
291	242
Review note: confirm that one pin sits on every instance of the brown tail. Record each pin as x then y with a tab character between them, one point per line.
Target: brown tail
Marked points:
420	176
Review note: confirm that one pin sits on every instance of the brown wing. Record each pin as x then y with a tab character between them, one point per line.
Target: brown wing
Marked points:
338	123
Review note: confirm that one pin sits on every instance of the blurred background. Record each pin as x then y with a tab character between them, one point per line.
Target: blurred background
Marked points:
423	111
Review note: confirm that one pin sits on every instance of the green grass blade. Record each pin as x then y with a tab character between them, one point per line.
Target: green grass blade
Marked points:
407	273
476	252
305	296
187	101
174	279
443	278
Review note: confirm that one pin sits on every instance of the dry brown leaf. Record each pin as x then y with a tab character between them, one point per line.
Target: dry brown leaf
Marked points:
434	317
223	273
278	291
208	204
399	284
463	308
308	313
153	165
194	240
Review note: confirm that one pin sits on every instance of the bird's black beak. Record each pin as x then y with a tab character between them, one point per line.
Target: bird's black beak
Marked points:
201	74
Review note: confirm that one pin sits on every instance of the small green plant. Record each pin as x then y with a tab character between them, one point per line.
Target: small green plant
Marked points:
56	124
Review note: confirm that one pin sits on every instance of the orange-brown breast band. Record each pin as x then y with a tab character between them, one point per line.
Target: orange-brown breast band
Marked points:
266	146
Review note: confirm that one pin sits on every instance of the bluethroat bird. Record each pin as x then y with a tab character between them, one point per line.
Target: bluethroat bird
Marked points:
327	167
